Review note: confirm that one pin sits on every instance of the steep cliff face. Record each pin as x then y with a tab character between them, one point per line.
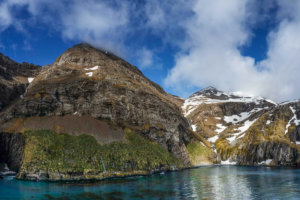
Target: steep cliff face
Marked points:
87	82
14	79
11	150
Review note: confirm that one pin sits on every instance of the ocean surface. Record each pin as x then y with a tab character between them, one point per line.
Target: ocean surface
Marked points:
211	182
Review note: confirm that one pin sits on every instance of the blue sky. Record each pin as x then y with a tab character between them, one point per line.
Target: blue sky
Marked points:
184	45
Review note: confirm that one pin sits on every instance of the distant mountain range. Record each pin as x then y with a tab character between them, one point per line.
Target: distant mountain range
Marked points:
92	115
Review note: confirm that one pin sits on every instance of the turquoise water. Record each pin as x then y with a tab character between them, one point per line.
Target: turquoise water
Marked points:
213	182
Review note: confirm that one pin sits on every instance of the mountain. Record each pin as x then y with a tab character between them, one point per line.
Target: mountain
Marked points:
14	78
246	130
210	111
91	115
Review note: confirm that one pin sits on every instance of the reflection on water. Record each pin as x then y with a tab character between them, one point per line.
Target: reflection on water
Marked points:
219	183
214	182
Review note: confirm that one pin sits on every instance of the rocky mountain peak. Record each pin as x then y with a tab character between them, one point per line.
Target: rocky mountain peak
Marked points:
84	61
83	56
210	92
210	95
86	55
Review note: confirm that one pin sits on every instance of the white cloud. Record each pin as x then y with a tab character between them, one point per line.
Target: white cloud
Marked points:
207	33
212	56
145	58
96	22
216	32
5	16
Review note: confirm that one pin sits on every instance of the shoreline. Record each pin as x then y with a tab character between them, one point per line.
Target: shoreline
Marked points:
122	175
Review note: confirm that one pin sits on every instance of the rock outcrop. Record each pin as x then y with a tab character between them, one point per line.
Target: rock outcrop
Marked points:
14	79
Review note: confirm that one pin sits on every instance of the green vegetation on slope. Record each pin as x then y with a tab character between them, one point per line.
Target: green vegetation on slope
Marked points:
81	155
200	154
258	134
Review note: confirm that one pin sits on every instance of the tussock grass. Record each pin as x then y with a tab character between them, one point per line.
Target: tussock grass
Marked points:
49	151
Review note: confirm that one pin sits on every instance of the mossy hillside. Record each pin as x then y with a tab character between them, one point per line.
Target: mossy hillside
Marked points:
200	154
200	138
260	132
51	152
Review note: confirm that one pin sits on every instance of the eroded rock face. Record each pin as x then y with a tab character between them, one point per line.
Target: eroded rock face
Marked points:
87	81
11	149
14	79
278	153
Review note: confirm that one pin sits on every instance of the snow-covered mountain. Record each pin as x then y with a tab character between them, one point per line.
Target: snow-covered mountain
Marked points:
211	111
245	129
211	95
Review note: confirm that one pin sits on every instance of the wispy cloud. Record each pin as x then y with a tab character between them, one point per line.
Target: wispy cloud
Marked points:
145	58
98	22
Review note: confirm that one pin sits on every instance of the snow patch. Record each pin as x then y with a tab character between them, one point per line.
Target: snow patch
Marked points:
268	122
220	128
89	74
194	127
227	162
213	139
242	116
30	79
293	119
270	101
246	125
93	68
242	129
265	162
296	121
